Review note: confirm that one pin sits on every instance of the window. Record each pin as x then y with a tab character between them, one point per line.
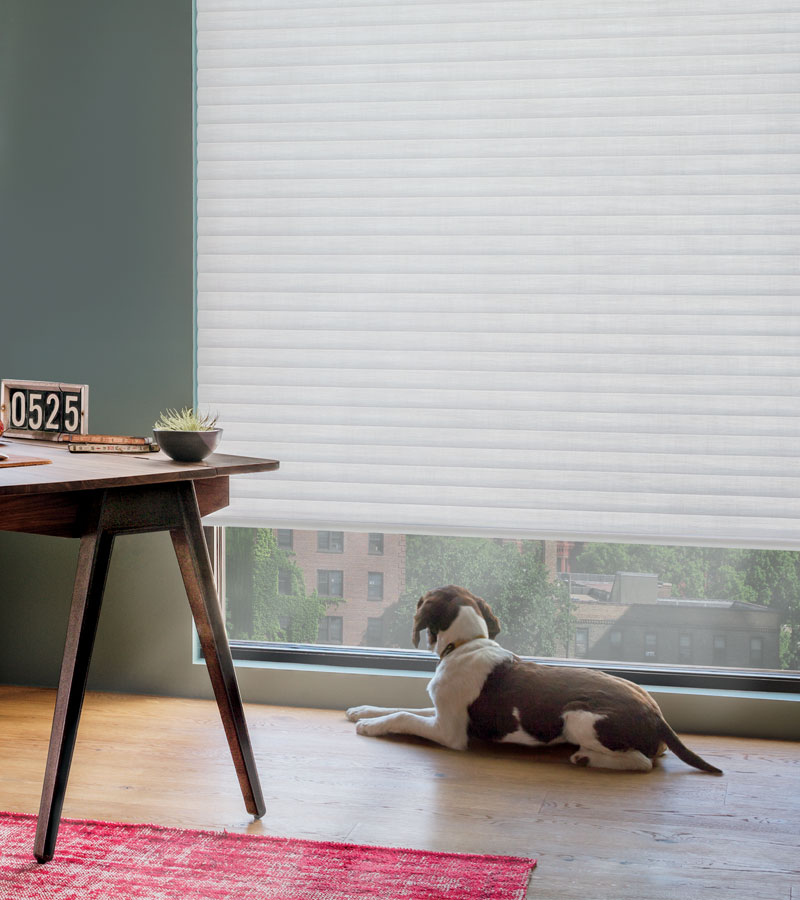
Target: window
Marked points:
285	625
330	630
330	541
285	538
375	544
375	586
621	370
330	583
284	581
696	607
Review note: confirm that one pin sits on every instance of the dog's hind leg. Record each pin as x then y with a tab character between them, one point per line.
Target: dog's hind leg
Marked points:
580	729
356	713
625	760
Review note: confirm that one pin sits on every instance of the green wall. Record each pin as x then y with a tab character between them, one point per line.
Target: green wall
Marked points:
96	288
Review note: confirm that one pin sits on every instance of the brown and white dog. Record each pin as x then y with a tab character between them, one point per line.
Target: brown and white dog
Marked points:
481	690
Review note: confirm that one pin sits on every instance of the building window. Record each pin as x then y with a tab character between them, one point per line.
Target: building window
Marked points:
685	648
330	630
285	538
374	634
330	541
330	582
650	646
284	581
375	545
615	639
375	586
756	652
581	642
718	655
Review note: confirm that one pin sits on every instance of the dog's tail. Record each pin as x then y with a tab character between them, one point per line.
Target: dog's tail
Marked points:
683	752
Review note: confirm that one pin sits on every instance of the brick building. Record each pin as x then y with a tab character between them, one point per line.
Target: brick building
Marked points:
362	574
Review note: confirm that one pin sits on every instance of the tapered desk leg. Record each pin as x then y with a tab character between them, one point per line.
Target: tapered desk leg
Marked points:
93	561
195	565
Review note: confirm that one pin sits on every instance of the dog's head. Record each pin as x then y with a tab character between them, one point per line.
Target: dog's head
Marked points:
438	611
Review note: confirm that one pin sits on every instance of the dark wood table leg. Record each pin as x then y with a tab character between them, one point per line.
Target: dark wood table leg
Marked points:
198	578
93	561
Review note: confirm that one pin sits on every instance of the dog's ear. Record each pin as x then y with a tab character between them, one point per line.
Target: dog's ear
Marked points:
421	619
492	623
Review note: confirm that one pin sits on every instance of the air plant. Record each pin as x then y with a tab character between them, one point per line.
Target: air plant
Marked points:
187	419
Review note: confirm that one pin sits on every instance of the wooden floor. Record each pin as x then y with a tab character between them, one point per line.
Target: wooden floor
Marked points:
673	834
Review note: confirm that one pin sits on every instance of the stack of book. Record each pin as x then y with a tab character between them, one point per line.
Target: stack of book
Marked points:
109	443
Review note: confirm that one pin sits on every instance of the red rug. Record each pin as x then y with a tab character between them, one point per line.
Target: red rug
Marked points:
101	861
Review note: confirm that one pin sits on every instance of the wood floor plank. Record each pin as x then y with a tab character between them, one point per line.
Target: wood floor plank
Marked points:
672	833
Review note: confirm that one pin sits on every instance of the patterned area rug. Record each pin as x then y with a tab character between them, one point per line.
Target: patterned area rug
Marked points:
101	861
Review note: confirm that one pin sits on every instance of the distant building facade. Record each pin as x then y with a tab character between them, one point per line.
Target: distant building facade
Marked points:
624	618
362	574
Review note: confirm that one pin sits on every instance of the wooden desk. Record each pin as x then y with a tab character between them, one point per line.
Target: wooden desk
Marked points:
95	497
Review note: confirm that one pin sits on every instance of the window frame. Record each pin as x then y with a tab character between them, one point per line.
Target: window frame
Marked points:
376	576
330	572
328	620
398	662
330	545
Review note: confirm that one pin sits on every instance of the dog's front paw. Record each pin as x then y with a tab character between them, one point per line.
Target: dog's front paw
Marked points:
355	713
371	727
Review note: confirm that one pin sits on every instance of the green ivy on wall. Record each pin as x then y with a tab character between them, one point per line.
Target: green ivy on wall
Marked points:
265	590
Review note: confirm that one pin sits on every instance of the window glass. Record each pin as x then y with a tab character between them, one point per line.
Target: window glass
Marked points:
640	604
330	582
284	581
330	630
330	541
375	586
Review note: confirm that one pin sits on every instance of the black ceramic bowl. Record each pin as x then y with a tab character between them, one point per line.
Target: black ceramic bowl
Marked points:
187	446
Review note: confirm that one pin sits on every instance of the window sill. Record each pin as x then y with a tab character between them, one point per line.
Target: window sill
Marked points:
757	714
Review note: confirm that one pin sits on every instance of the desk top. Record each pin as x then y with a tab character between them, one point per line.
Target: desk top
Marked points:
89	471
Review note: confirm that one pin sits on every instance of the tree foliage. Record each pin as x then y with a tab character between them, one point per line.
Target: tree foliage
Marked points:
534	612
257	609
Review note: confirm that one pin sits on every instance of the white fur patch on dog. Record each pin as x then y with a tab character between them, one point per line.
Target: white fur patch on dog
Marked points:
579	728
467	625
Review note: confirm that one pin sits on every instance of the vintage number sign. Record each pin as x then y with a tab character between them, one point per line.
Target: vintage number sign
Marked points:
44	409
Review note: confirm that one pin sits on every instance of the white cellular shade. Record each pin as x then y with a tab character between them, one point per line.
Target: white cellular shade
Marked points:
522	268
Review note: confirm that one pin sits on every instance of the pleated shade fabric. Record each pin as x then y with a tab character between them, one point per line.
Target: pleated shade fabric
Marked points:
522	268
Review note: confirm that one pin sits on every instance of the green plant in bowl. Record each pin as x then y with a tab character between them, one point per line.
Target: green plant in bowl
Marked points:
186	435
187	419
